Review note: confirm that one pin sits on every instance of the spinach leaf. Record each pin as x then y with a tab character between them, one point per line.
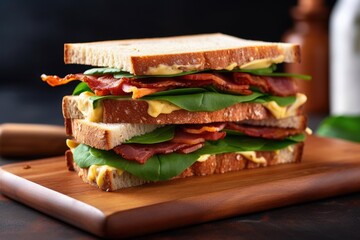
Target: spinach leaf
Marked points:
117	73
102	71
167	166
207	101
258	71
290	75
126	75
270	72
297	138
282	101
159	167
159	135
80	88
129	75
178	91
345	127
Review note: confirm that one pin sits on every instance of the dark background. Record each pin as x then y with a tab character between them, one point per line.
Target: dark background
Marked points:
32	34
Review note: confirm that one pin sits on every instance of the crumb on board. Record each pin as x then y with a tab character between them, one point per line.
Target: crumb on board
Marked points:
27	166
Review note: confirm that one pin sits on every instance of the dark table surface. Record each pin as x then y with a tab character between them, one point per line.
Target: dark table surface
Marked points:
333	218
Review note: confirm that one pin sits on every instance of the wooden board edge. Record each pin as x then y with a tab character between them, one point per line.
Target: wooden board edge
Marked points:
55	204
224	204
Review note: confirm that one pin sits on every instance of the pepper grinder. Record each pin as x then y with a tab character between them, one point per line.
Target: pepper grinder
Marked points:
310	31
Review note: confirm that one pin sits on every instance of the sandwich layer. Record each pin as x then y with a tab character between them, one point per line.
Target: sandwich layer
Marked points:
112	179
173	55
107	136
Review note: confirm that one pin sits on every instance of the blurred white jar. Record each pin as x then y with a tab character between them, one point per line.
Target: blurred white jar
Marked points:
345	58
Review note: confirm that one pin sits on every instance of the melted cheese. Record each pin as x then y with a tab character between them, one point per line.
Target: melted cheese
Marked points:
71	144
85	106
203	158
231	66
202	129
251	155
157	107
97	173
290	148
263	63
163	69
283	112
92	173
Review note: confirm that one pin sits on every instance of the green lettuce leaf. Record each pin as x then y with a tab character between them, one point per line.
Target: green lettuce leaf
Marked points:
167	166
344	127
159	135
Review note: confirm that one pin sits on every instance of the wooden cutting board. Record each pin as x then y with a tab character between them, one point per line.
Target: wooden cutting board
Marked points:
330	167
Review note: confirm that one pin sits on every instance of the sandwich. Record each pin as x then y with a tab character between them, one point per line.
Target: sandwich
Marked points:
161	109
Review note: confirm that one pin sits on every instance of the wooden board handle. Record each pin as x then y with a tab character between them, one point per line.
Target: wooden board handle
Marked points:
26	140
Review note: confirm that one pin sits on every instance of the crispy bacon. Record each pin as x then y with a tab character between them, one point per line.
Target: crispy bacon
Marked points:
57	81
263	132
185	142
182	142
191	148
221	81
237	83
200	128
142	152
189	138
279	86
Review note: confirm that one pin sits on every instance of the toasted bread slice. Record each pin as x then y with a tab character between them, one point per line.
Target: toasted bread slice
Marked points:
136	111
112	179
171	55
104	135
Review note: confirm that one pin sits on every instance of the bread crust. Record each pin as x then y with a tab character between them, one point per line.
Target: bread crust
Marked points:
182	53
137	112
218	60
215	164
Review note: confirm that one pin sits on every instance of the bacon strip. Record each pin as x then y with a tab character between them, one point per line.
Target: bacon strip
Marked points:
142	152
238	83
278	86
222	82
200	128
190	149
189	138
182	142
185	142
263	132
57	81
